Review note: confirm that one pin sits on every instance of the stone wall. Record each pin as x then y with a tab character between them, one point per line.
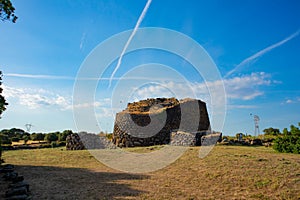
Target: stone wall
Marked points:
150	122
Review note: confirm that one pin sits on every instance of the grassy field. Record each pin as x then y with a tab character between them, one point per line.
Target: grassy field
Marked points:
228	172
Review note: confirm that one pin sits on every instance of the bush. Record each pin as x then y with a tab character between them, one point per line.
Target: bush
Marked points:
4	139
61	144
25	138
271	131
1	160
62	136
289	141
37	136
51	137
109	136
15	139
53	144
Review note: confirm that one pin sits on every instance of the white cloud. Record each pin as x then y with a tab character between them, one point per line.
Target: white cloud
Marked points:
246	87
85	105
292	100
35	98
40	98
289	101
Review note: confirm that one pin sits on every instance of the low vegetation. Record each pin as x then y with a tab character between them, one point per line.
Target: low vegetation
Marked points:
228	172
288	141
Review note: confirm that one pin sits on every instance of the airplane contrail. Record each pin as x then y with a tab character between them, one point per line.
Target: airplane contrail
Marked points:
51	77
38	76
262	52
138	23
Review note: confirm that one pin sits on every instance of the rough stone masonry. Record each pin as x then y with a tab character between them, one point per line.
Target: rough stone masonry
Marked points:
151	121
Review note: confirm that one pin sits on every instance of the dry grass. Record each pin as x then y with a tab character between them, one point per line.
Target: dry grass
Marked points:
226	173
29	142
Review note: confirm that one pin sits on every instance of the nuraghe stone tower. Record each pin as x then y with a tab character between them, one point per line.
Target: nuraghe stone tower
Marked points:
150	122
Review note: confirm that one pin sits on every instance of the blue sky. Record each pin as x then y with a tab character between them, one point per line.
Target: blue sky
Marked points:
254	44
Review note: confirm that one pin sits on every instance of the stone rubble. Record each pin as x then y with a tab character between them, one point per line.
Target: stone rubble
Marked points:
18	189
73	142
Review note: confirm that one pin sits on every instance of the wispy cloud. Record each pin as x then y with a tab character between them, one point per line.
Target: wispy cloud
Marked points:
262	52
137	25
82	40
241	107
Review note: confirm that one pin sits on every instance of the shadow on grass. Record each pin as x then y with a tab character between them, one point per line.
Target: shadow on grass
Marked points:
74	183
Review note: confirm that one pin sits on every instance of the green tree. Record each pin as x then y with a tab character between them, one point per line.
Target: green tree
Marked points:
62	136
7	11
238	135
271	131
15	139
3	102
25	138
37	136
289	142
5	139
50	137
13	132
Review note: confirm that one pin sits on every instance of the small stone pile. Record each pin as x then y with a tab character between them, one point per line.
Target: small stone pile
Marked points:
18	189
73	142
206	138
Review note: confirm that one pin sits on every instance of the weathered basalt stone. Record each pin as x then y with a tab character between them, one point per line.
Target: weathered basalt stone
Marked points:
151	122
73	142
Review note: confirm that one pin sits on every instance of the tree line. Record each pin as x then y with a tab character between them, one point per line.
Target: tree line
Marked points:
7	136
287	141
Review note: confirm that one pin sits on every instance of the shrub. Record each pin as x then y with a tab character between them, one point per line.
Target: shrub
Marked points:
271	131
37	136
15	139
109	136
62	136
5	139
51	137
289	141
53	144
61	144
1	160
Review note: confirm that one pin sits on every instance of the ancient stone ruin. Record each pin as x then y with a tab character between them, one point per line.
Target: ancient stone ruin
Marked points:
84	140
154	121
73	142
